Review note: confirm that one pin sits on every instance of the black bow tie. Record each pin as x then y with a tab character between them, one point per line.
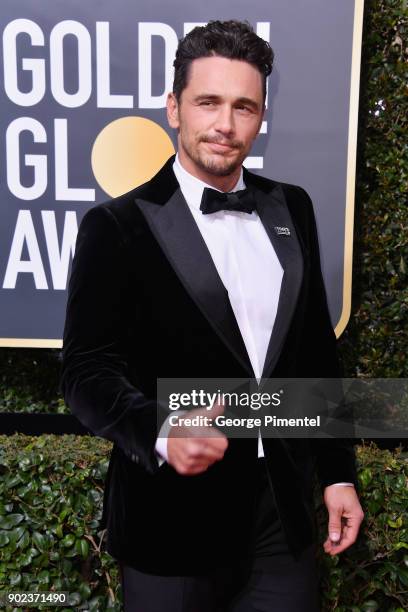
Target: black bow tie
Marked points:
212	201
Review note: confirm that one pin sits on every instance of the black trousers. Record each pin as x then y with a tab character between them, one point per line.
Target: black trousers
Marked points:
269	580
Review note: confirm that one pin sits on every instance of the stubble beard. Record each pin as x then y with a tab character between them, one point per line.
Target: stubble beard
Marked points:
216	165
222	167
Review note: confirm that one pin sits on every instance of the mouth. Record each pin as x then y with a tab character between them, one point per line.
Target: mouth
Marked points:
217	147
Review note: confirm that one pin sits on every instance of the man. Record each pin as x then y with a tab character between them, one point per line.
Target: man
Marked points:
168	281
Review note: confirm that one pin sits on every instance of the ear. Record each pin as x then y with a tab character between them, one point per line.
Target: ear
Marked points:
172	111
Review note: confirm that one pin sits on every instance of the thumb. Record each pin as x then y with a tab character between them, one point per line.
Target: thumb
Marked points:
335	525
216	409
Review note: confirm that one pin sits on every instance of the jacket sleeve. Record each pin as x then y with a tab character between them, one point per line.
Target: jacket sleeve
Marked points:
94	372
335	457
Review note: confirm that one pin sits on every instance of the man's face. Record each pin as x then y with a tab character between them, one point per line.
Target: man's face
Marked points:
218	116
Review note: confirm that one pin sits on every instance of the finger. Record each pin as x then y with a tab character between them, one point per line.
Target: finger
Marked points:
350	533
334	527
349	536
212	437
218	443
211	454
205	450
215	410
191	465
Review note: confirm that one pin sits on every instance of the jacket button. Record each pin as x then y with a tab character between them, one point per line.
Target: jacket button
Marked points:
135	458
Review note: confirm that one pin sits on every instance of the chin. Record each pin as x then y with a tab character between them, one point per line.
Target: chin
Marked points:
221	171
220	167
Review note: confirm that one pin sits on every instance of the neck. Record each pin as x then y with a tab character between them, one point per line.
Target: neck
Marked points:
223	183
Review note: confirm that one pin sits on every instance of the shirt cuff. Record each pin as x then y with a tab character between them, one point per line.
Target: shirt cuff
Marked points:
342	484
161	450
162	439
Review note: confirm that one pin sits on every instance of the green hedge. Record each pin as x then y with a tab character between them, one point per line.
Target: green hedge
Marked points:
29	381
51	492
374	343
373	574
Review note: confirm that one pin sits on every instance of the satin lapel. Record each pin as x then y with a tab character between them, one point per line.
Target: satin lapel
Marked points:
274	213
177	233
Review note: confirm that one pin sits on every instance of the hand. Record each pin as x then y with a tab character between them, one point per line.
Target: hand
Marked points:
192	450
345	517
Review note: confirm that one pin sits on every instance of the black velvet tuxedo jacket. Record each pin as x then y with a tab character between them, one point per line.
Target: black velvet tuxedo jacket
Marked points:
146	301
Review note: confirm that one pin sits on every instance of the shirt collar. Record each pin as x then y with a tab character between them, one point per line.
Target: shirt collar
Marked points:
192	187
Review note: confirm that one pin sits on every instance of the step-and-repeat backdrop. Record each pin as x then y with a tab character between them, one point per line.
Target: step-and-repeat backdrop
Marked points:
82	94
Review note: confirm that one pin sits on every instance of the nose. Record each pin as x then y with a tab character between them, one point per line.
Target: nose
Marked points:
224	123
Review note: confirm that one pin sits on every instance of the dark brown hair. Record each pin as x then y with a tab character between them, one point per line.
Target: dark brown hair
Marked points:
231	39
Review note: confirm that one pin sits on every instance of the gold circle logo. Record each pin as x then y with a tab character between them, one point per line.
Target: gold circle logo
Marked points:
128	152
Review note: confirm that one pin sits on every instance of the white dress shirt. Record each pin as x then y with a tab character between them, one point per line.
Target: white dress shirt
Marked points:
247	265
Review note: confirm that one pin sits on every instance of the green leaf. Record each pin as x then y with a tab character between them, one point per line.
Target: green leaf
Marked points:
395	524
57	529
44	577
74	599
15	579
82	547
22	491
66	567
64	513
13	481
365	477
26	558
24	541
39	541
15	534
402	573
370	606
85	591
10	520
68	540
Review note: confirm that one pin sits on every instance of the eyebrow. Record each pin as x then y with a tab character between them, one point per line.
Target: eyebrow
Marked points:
242	100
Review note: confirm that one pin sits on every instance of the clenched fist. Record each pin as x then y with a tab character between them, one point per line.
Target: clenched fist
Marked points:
193	449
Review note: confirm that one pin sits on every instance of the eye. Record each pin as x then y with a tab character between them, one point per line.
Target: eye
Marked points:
244	108
207	103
